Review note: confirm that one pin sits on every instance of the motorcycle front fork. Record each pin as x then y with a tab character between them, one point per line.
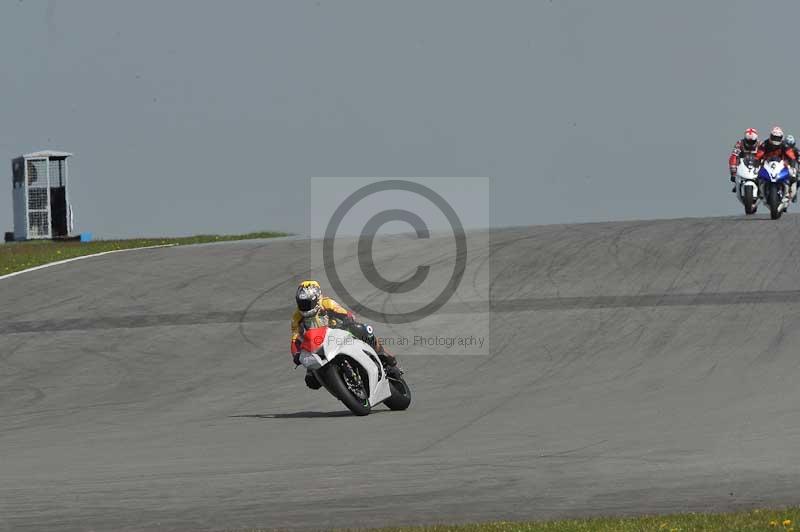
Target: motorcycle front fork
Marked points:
789	191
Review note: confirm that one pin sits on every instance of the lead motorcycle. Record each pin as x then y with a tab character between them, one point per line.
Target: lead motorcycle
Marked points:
773	183
747	183
352	371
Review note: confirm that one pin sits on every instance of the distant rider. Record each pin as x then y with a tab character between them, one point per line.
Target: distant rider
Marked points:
314	310
775	148
792	143
747	145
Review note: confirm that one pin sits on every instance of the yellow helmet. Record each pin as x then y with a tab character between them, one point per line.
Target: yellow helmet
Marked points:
308	297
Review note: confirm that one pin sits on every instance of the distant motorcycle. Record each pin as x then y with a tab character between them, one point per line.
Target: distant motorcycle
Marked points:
747	184
773	183
352	371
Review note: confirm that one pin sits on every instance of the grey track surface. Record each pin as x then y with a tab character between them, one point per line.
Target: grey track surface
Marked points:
634	367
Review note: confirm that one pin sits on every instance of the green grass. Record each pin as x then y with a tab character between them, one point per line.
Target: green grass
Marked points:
755	520
16	256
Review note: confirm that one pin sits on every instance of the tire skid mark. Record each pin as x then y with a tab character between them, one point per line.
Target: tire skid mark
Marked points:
787	297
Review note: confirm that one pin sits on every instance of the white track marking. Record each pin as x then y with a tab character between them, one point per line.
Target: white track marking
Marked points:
73	259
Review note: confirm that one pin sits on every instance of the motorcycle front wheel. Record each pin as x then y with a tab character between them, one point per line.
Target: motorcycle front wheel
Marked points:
334	377
774	201
749	203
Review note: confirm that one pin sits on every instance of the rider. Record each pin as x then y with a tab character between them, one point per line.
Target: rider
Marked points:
314	310
792	143
745	146
775	148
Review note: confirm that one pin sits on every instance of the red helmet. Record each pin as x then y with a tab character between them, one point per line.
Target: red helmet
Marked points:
776	136
750	138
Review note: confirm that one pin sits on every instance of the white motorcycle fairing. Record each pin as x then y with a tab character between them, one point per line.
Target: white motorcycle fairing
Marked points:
747	189
746	176
329	344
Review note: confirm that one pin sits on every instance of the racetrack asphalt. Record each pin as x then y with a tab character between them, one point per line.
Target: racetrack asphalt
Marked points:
634	367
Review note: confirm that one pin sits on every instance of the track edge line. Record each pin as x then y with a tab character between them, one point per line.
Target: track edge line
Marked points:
73	259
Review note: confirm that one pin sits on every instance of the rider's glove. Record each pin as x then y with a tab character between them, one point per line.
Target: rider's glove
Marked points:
295	348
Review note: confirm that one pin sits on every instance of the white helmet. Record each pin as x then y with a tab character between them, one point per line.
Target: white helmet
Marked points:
790	141
776	136
750	139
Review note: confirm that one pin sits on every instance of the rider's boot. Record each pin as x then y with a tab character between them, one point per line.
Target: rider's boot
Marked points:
311	381
389	360
365	333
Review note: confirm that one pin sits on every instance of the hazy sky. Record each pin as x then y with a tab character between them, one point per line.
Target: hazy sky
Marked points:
194	116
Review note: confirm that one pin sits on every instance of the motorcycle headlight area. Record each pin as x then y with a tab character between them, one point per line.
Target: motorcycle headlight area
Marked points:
313	360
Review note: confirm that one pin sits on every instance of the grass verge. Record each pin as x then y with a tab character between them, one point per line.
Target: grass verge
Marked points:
754	520
17	256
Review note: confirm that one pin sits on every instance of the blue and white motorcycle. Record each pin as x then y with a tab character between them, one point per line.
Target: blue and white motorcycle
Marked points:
773	182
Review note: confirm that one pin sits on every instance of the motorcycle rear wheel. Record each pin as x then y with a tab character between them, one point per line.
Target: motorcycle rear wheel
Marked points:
401	394
331	374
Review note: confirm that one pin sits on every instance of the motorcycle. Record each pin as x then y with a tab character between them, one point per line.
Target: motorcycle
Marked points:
352	371
747	184
774	186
